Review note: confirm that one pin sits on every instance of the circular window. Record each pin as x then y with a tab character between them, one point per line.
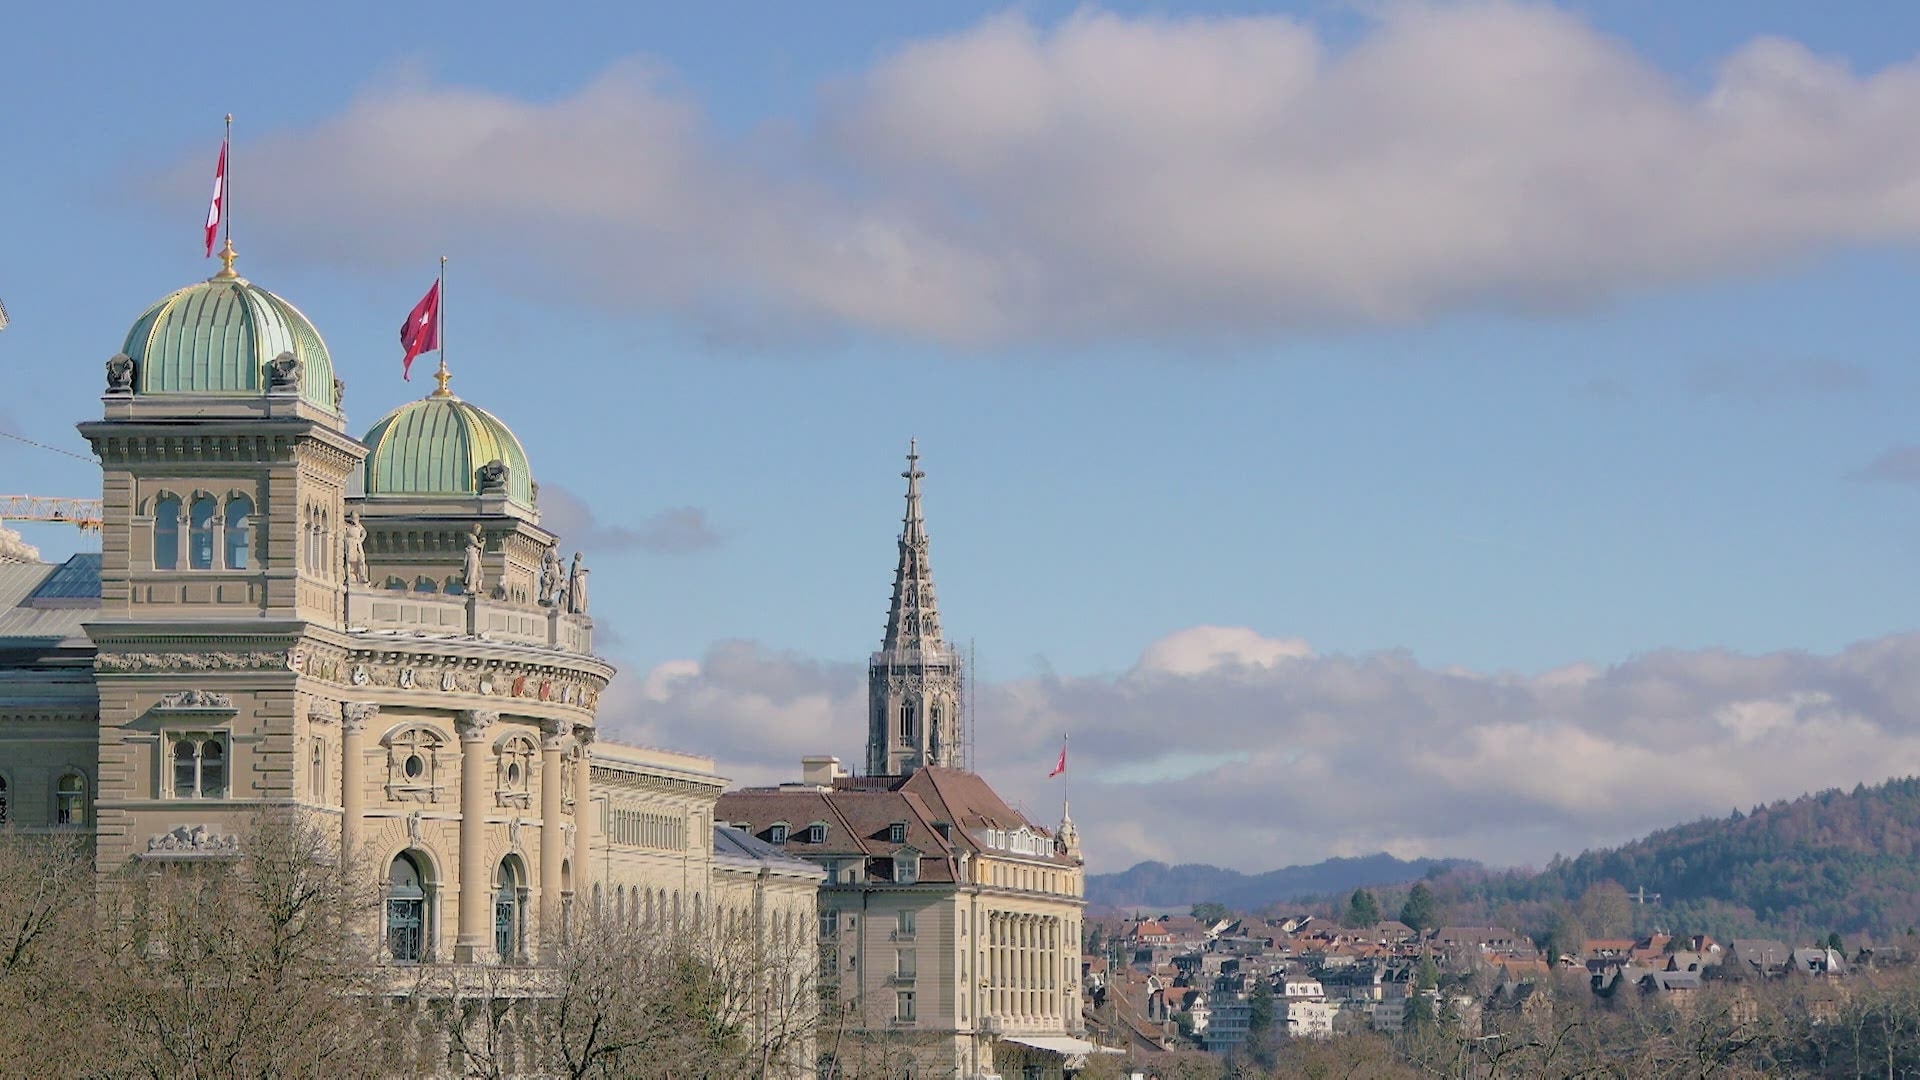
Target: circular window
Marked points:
416	767
513	772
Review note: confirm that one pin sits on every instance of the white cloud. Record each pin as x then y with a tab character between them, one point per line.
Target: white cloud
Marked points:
1109	175
1257	766
1200	649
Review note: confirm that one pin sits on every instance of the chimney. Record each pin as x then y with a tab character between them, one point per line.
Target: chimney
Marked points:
820	771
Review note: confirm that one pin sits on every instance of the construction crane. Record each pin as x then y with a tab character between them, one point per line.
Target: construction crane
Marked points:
84	513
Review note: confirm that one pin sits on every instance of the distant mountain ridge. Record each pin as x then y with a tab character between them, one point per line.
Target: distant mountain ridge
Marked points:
1157	885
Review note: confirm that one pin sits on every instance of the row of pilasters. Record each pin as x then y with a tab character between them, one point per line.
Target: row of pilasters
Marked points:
474	940
1023	961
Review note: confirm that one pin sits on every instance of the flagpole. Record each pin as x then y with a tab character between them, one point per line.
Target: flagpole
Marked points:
226	186
440	328
1066	775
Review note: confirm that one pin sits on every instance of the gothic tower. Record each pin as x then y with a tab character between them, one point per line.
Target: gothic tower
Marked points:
913	682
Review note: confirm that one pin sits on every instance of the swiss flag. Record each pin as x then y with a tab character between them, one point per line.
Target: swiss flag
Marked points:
1062	766
421	332
217	208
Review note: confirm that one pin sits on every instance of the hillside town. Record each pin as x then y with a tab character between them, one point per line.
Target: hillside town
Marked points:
1170	982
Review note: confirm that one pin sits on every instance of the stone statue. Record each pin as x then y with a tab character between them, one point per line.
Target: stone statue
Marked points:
356	536
283	372
577	586
493	477
553	579
120	374
339	393
471	572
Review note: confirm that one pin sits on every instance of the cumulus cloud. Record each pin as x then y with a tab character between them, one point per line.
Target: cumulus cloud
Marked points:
1257	765
1201	649
681	530
1109	175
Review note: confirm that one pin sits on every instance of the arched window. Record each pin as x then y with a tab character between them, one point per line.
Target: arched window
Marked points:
697	913
907	733
648	894
6	804
166	533
199	766
200	533
238	531
413	764
406	910
514	765
508	909
70	800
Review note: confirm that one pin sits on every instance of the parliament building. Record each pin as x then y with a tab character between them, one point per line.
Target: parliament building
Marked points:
376	632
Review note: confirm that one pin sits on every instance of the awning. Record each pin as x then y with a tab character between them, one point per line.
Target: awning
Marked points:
1063	1045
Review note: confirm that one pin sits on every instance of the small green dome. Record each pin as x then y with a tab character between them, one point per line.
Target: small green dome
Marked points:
219	336
437	447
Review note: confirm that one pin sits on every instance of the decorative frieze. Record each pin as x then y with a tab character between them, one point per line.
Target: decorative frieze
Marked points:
258	660
192	840
194	701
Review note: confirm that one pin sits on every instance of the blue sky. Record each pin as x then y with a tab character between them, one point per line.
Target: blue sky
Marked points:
1317	406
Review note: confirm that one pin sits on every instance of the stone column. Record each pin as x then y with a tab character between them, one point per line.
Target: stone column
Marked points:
583	813
553	833
354	716
472	946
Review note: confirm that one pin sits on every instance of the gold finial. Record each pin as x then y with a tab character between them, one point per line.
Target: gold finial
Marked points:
227	255
443	377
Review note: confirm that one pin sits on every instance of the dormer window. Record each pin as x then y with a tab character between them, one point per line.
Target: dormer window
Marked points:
906	867
778	833
897	833
815	833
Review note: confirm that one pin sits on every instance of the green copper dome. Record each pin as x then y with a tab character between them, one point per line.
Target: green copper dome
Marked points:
439	447
219	337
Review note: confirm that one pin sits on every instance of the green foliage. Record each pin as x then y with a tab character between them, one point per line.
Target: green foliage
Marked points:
1363	910
1832	861
1422	910
1260	999
1211	911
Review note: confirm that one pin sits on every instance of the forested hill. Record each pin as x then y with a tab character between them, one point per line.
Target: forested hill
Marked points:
1157	885
1835	861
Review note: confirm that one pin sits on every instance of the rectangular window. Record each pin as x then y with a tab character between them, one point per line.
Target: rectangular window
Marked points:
897	833
199	765
906	964
903	1006
904	920
826	924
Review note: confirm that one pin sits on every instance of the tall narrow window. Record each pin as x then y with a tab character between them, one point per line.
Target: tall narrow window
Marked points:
70	800
317	768
200	533
6	804
239	527
406	911
506	912
907	734
166	533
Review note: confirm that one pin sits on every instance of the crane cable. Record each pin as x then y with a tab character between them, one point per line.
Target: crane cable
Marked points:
44	446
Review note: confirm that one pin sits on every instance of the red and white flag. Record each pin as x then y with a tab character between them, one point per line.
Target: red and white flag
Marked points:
218	207
1062	766
421	332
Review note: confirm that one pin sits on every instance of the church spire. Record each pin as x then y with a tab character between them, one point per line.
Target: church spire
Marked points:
913	619
913	682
